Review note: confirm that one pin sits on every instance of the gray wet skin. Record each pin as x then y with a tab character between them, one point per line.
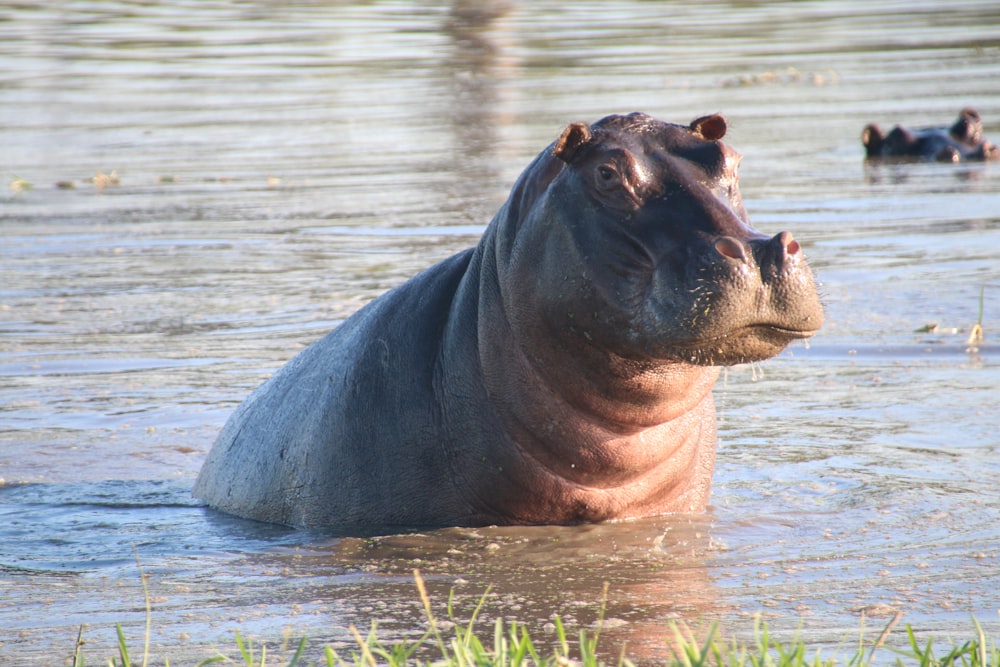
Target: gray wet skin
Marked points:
559	372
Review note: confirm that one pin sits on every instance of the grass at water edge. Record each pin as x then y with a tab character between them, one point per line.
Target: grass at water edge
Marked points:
510	645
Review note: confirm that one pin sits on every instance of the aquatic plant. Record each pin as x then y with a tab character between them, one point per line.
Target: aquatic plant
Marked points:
976	331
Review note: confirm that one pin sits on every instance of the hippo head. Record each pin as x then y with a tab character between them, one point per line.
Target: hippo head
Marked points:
633	240
961	141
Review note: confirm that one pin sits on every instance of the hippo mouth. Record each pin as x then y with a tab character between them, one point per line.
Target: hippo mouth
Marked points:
770	332
753	342
790	334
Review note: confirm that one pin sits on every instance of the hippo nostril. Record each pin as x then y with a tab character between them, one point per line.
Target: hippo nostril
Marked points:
729	247
788	243
948	154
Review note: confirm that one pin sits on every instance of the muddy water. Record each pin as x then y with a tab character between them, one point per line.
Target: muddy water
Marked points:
214	185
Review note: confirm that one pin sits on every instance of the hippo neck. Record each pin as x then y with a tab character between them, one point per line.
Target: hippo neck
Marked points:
585	415
596	424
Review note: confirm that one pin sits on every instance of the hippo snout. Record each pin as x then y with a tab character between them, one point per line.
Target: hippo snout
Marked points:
754	296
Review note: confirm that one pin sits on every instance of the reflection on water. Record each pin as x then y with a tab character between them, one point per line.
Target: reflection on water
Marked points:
274	171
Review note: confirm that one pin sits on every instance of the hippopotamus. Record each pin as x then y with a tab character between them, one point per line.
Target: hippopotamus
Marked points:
560	371
962	141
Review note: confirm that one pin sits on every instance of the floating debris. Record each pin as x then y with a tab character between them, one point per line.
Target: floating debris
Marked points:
104	181
18	184
789	75
976	333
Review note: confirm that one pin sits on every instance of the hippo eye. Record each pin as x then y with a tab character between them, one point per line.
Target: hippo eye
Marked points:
607	174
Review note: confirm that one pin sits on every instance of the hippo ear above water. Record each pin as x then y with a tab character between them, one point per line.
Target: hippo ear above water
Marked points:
573	137
711	127
968	127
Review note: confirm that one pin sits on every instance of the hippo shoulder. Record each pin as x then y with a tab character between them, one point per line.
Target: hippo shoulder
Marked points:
379	361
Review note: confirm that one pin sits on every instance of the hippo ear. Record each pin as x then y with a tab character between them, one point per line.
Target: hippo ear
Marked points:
573	137
968	127
872	137
711	127
970	113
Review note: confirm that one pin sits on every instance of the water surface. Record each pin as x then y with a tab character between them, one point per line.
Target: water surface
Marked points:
215	185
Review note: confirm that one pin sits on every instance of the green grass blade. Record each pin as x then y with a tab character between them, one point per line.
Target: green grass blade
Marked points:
246	649
980	635
298	653
426	600
561	634
78	650
122	647
476	611
530	646
521	644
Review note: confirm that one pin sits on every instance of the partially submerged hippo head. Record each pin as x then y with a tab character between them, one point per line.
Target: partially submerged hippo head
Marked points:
560	371
960	142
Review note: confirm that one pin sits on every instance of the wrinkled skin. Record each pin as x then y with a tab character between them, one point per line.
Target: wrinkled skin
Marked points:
962	141
560	371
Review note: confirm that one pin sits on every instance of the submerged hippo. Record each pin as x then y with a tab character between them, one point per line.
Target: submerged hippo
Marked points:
960	142
561	371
